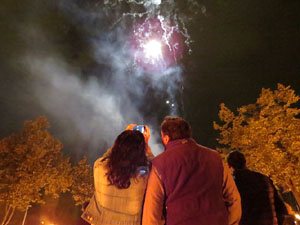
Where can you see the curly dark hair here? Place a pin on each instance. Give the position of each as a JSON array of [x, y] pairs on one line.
[[127, 154]]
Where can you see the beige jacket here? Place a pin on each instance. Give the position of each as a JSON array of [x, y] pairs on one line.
[[111, 205]]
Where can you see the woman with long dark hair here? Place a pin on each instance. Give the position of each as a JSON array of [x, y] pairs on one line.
[[120, 181]]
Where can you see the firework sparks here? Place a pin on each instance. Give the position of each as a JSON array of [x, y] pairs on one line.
[[159, 33], [156, 44], [153, 51]]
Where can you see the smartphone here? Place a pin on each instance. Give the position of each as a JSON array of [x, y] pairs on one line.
[[140, 128]]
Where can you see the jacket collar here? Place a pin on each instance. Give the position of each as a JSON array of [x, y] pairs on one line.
[[177, 142]]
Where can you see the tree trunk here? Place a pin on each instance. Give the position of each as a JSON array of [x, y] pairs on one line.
[[6, 214], [9, 215], [25, 215]]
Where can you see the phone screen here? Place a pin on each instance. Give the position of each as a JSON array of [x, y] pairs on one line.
[[140, 128]]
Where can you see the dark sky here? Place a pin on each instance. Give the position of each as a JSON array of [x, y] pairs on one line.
[[244, 46], [58, 58]]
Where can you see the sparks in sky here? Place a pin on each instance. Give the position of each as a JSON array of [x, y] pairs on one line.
[[159, 35], [153, 50], [156, 46]]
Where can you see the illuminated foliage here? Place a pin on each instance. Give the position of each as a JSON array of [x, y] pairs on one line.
[[82, 187], [32, 165], [268, 133]]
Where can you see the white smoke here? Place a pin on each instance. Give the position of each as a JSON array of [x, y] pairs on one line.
[[89, 110], [90, 113]]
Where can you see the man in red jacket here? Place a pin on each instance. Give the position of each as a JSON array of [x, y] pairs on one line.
[[189, 184]]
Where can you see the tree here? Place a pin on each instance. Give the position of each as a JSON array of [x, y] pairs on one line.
[[83, 183], [268, 133], [32, 165]]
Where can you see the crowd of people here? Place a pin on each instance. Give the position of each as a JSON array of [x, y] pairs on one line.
[[187, 184]]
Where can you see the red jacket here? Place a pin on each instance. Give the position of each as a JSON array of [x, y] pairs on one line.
[[192, 177]]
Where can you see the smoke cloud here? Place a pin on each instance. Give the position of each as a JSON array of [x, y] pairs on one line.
[[90, 105]]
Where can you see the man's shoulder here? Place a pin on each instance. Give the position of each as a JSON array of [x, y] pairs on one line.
[[209, 150], [261, 176], [192, 149], [255, 173], [160, 157], [209, 154], [251, 175], [165, 157]]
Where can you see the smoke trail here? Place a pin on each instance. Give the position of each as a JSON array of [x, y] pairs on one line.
[[113, 44], [94, 106], [90, 111], [162, 21]]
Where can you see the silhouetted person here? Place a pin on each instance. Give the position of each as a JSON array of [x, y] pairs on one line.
[[188, 183], [261, 203]]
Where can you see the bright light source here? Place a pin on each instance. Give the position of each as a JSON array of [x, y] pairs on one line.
[[167, 102], [152, 50], [297, 216]]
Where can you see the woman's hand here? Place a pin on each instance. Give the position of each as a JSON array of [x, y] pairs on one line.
[[146, 132], [130, 126]]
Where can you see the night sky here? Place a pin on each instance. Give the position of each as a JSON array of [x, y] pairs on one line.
[[66, 60]]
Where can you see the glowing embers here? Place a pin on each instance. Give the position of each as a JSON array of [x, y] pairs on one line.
[[153, 50]]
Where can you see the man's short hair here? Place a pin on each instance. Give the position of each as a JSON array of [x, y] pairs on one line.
[[176, 128], [236, 159]]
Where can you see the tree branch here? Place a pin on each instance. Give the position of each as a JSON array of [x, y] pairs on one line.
[[10, 216]]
